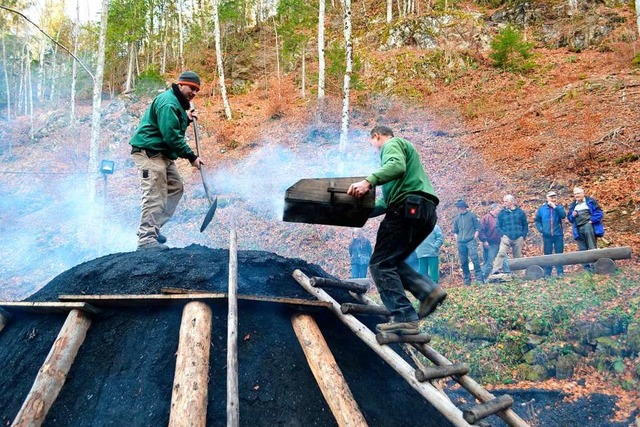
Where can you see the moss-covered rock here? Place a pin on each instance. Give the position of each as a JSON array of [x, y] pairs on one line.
[[565, 364], [633, 337], [475, 330], [532, 372], [609, 346]]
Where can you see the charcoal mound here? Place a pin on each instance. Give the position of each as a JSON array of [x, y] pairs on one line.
[[123, 374]]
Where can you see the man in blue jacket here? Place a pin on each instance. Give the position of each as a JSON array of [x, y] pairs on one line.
[[513, 229], [585, 217], [549, 223]]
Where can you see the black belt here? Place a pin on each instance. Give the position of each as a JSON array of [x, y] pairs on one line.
[[150, 153]]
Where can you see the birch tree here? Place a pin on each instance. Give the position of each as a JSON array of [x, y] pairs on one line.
[[389, 10], [97, 100], [321, 65], [6, 78], [638, 15], [344, 132], [74, 65], [216, 35]]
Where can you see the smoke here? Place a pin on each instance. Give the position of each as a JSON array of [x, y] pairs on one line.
[[262, 178], [49, 227]]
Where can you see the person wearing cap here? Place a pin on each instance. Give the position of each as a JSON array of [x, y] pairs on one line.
[[156, 144], [466, 228], [490, 239], [513, 229], [549, 223], [409, 204], [585, 216]]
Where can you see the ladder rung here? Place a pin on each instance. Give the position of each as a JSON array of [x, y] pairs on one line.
[[389, 338], [323, 282], [483, 410], [350, 308], [436, 372]]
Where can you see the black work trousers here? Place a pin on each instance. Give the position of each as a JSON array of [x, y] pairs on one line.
[[397, 238]]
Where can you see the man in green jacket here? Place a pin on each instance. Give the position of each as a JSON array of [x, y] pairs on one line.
[[156, 144], [409, 202]]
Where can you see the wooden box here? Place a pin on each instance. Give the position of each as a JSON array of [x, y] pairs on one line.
[[325, 201]]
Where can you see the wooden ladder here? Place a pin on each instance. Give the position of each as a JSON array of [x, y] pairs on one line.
[[418, 378]]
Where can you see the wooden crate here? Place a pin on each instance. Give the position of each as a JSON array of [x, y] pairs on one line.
[[325, 201]]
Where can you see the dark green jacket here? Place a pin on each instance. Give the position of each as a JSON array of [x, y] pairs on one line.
[[400, 175], [163, 126]]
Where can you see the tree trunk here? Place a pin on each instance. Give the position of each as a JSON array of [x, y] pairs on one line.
[[567, 258], [53, 373], [29, 93], [190, 384], [638, 15], [304, 73], [275, 30], [6, 78], [180, 36], [389, 10], [97, 102], [132, 55], [321, 65], [216, 35], [74, 65], [344, 132]]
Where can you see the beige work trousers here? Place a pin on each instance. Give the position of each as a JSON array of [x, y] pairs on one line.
[[505, 244], [162, 189]]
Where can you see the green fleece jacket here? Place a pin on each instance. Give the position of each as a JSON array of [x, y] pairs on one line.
[[400, 175], [163, 126]]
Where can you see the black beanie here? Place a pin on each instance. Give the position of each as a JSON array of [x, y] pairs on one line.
[[189, 78]]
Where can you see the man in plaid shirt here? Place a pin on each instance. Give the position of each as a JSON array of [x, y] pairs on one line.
[[513, 228]]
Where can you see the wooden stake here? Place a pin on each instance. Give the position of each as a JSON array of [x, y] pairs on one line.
[[190, 388], [233, 399], [326, 371], [426, 390], [53, 373]]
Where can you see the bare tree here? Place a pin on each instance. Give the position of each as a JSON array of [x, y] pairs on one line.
[[74, 65], [638, 14], [321, 65], [216, 35], [389, 10], [6, 78], [344, 132], [97, 100]]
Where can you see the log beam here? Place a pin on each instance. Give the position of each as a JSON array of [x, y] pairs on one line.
[[483, 410], [567, 258], [327, 373], [190, 384], [325, 282], [437, 372], [233, 397], [377, 310], [53, 373]]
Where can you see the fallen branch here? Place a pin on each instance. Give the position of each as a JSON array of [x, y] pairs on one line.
[[611, 135]]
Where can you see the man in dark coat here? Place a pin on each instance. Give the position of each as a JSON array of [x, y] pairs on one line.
[[466, 228], [513, 229], [585, 216], [549, 223]]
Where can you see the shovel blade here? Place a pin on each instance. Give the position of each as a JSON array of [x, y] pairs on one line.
[[210, 214]]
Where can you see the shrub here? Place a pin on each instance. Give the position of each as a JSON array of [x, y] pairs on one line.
[[510, 52]]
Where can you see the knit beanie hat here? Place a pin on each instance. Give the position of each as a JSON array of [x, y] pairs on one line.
[[189, 78]]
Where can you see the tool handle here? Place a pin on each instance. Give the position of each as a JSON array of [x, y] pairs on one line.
[[337, 190]]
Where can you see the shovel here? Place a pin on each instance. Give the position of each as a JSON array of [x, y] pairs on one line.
[[213, 201]]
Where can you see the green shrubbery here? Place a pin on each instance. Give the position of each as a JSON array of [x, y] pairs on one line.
[[510, 52]]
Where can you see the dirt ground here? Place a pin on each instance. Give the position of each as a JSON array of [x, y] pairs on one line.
[[124, 371]]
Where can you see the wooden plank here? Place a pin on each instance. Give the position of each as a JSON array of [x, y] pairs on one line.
[[426, 390], [124, 300], [189, 397], [327, 373], [48, 306], [233, 396], [53, 373]]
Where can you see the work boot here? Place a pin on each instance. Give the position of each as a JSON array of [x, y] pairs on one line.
[[400, 328], [153, 246], [161, 238], [431, 302]]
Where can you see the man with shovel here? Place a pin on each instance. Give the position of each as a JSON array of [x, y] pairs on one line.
[[409, 202], [156, 144]]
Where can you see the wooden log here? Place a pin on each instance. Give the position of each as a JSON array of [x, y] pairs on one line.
[[426, 390], [349, 308], [580, 257], [190, 387], [483, 410], [4, 318], [233, 397], [133, 300], [326, 371], [605, 266], [53, 373], [444, 371], [48, 306], [324, 282], [508, 415], [534, 272], [389, 338]]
